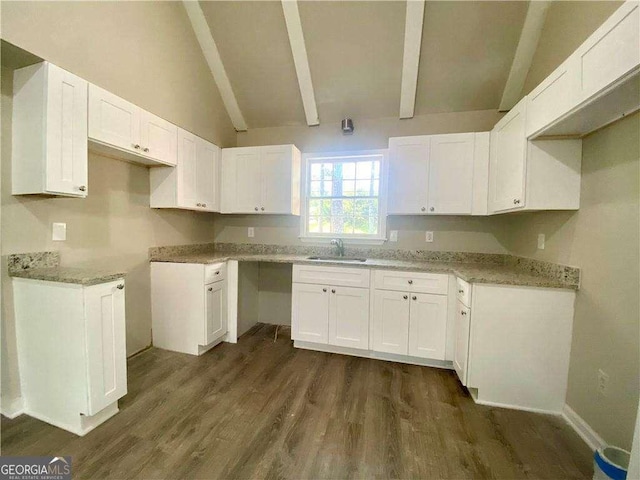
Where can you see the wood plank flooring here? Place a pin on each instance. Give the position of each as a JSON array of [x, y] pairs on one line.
[[262, 409]]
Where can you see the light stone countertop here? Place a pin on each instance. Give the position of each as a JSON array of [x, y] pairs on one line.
[[470, 272], [81, 276]]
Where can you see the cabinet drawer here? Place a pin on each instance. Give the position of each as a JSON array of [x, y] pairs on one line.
[[435, 283], [215, 272], [463, 292], [336, 276]]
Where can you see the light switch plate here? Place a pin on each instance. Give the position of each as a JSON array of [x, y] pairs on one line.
[[541, 241], [393, 236], [251, 232], [59, 232], [428, 237]]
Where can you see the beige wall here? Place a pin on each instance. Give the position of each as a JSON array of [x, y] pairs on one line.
[[146, 53], [475, 234], [603, 239]]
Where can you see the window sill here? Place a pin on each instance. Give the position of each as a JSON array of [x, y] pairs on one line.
[[346, 240]]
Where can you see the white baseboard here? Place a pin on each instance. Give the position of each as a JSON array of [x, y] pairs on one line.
[[11, 408], [583, 429]]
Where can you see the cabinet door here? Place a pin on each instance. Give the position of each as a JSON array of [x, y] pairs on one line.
[[207, 181], [105, 344], [113, 121], [310, 313], [390, 323], [428, 326], [215, 311], [461, 346], [408, 175], [248, 184], [158, 139], [66, 157], [451, 174], [275, 165], [554, 97], [507, 161], [349, 317], [187, 170]]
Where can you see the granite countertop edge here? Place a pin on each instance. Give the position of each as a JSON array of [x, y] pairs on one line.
[[75, 275], [472, 272]]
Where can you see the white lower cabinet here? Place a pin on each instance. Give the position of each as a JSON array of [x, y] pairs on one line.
[[390, 327], [310, 313], [188, 306], [71, 351], [461, 346]]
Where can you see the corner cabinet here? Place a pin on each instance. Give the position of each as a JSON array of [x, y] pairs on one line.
[[262, 180], [75, 333], [49, 143], [118, 127], [531, 174], [438, 174], [194, 184], [188, 306]]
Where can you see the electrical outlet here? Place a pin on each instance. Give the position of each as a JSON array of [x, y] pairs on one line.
[[251, 232], [541, 241], [428, 237], [59, 232], [393, 236], [603, 382]]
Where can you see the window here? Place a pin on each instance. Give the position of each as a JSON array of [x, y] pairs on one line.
[[343, 196]]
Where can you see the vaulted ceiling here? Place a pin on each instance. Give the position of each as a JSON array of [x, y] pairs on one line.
[[355, 56]]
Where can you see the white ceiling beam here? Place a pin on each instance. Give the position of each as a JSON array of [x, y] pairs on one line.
[[300, 60], [529, 37], [212, 56], [411, 57]]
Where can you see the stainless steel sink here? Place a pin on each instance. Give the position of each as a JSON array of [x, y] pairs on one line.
[[337, 259]]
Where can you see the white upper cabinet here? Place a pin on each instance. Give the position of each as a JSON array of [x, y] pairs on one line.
[[195, 182], [531, 174], [596, 85], [507, 161], [120, 127], [438, 174], [261, 180], [49, 143], [158, 139], [408, 175]]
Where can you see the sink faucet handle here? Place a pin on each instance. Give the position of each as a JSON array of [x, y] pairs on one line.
[[339, 244]]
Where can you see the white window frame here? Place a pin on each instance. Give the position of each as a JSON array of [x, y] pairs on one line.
[[379, 239]]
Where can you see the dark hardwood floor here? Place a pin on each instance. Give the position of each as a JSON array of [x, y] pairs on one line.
[[261, 409]]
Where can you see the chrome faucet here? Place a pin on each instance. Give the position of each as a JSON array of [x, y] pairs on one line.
[[340, 245]]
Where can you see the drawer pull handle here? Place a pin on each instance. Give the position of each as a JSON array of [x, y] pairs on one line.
[[121, 286], [405, 296], [414, 297], [410, 282], [333, 291]]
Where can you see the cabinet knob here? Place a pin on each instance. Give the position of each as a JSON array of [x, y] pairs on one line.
[[198, 204], [431, 209], [410, 282], [424, 209], [204, 204], [136, 146], [333, 291], [460, 291], [462, 312], [218, 272], [256, 209], [324, 289], [516, 201], [82, 188], [145, 149], [405, 296], [414, 298], [121, 286], [210, 289], [262, 208]]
